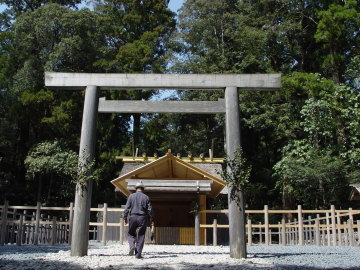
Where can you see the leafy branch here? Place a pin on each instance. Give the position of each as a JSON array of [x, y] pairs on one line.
[[236, 174]]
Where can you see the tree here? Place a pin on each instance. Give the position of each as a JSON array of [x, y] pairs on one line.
[[50, 159], [337, 30]]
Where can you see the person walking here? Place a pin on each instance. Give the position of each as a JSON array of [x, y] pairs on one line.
[[138, 212]]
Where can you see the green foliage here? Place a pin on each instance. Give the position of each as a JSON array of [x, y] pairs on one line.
[[236, 174], [337, 29], [51, 158], [313, 178]]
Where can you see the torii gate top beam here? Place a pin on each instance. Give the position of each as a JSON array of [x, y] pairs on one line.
[[59, 80]]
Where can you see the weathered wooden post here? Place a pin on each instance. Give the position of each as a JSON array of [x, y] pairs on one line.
[[4, 214], [351, 228], [249, 232], [333, 225], [339, 229], [260, 232], [215, 232], [266, 219], [20, 230], [197, 229], [317, 232], [53, 232], [104, 224], [283, 231], [121, 229], [301, 226], [37, 223], [236, 208], [71, 221], [80, 233], [328, 235]]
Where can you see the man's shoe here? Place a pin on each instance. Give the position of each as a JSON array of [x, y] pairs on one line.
[[139, 257], [132, 251]]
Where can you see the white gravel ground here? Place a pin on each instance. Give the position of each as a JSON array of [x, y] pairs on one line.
[[114, 256]]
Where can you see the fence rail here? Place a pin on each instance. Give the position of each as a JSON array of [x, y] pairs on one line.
[[29, 225]]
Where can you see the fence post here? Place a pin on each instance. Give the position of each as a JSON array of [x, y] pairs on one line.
[[317, 232], [346, 238], [358, 230], [197, 229], [351, 228], [301, 226], [266, 218], [53, 232], [328, 236], [71, 221], [104, 224], [37, 223], [121, 230], [215, 232], [12, 234], [339, 228], [260, 234], [333, 225], [19, 231], [249, 231], [4, 222], [283, 231]]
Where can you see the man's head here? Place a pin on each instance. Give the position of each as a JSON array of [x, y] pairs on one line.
[[139, 186]]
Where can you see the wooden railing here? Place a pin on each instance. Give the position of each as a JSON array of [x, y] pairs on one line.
[[325, 229], [29, 225]]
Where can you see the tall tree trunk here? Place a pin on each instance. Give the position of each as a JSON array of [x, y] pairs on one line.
[[38, 197], [50, 187], [136, 129]]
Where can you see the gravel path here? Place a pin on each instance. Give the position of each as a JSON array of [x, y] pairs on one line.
[[114, 256]]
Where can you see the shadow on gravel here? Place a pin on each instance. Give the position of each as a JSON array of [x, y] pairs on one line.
[[40, 264], [271, 255], [30, 249]]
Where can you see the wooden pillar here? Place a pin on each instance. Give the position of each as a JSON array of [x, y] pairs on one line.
[[20, 230], [339, 229], [197, 229], [80, 233], [236, 208], [215, 232], [202, 202], [266, 219], [301, 226], [317, 232], [121, 229], [4, 223], [333, 225], [53, 231], [104, 224], [71, 221], [351, 228], [249, 232], [37, 223], [328, 235], [283, 231], [260, 234]]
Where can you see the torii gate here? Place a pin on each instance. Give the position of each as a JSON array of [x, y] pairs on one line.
[[93, 82]]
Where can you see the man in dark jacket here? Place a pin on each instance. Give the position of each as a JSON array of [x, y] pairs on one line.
[[138, 212]]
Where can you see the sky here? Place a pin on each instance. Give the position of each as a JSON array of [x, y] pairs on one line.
[[174, 5]]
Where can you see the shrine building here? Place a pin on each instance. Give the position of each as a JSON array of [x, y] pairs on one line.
[[177, 188]]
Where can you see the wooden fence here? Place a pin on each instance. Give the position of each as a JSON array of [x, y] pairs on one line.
[[30, 225], [329, 227]]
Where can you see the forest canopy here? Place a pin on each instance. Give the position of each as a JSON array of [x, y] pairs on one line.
[[302, 142]]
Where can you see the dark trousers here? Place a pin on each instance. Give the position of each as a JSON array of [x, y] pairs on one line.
[[136, 235]]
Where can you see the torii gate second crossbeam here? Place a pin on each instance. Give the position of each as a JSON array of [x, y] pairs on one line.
[[93, 82]]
